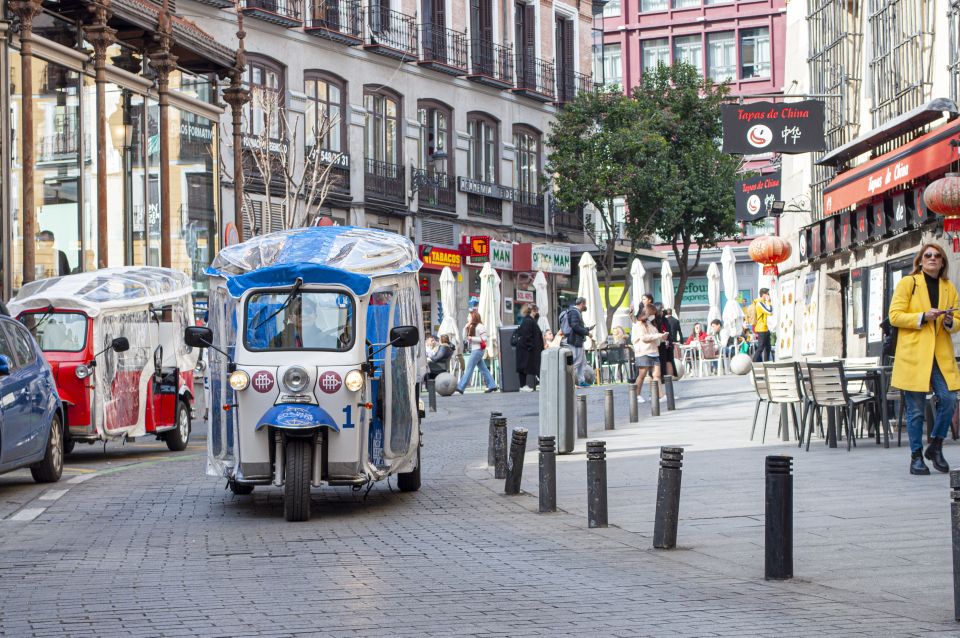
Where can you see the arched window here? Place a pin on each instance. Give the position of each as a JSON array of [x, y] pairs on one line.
[[436, 136], [326, 111], [382, 134], [526, 140], [484, 132], [264, 78]]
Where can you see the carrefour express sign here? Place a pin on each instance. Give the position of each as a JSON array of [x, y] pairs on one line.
[[551, 258]]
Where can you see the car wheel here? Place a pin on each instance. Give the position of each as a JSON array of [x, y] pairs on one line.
[[296, 480], [410, 481], [240, 489], [178, 438], [51, 467]]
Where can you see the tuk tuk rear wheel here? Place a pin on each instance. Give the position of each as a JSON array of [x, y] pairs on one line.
[[296, 480], [178, 437], [410, 481]]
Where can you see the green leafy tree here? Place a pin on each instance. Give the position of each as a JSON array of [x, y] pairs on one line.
[[685, 196]]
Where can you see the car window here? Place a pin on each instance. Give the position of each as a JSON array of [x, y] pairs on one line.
[[5, 345], [22, 345]]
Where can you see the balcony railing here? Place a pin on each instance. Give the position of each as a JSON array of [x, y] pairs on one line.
[[483, 206], [528, 209], [535, 78], [64, 141], [491, 64], [337, 20], [563, 219], [435, 190], [391, 33], [384, 180], [443, 50], [286, 13], [570, 85]]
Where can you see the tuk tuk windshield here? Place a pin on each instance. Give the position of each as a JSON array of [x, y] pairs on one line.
[[57, 331], [306, 320]]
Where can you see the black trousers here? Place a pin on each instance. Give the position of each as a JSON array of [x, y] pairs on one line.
[[763, 352]]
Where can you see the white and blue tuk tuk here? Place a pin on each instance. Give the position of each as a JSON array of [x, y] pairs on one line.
[[314, 362]]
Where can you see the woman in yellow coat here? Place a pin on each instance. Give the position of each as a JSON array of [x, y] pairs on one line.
[[922, 309]]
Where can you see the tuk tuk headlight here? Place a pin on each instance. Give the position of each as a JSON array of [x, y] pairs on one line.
[[296, 379], [82, 371], [239, 380], [354, 381]]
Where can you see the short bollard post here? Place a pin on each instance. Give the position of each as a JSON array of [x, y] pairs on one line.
[[518, 447], [491, 451], [548, 474], [632, 400], [596, 484], [778, 563], [500, 448], [668, 389], [432, 394], [654, 398], [668, 498], [608, 410], [581, 417], [955, 524]]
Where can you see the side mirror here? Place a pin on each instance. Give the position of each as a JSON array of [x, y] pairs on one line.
[[198, 336], [404, 336], [5, 365], [120, 344]]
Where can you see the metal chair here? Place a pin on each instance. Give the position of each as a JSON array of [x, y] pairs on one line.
[[828, 387], [783, 388], [613, 360], [759, 377]]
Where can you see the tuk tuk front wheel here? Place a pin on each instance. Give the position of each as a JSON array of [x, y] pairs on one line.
[[51, 467], [296, 481], [178, 437], [410, 481]]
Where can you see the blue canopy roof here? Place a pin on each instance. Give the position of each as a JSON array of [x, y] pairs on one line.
[[343, 255]]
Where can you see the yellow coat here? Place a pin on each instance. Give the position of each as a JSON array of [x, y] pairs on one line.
[[762, 314], [916, 344]]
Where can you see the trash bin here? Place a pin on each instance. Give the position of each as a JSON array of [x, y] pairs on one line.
[[557, 394], [509, 381]]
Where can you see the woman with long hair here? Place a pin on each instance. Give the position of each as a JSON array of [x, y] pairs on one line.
[[475, 341], [646, 340]]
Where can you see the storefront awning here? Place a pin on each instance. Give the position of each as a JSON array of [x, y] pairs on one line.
[[924, 155], [892, 129]]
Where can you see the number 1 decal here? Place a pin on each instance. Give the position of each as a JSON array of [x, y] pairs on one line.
[[348, 412]]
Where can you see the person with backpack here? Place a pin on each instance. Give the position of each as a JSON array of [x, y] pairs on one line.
[[571, 324], [923, 311]]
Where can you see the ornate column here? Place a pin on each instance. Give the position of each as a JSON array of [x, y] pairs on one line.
[[164, 62], [26, 10], [236, 96], [101, 37]]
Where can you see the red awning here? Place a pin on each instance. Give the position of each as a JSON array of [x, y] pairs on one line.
[[924, 155]]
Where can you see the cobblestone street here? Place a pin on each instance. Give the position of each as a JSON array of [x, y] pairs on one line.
[[146, 545]]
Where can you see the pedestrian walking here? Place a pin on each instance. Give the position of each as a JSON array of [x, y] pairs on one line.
[[475, 336], [763, 308], [528, 340], [646, 339], [669, 324], [922, 310], [571, 324]]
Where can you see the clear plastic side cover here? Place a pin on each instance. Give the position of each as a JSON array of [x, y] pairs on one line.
[[122, 377], [220, 440], [407, 367]]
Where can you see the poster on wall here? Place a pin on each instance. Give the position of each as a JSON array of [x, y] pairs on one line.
[[785, 331], [875, 309], [808, 326]]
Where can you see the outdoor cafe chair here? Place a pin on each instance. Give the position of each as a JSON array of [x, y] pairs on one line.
[[759, 377], [783, 388], [615, 362], [828, 387]]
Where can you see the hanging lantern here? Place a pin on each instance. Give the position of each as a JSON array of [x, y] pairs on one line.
[[769, 250], [942, 196]]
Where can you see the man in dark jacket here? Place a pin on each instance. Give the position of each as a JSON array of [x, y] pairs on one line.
[[576, 334], [529, 348]]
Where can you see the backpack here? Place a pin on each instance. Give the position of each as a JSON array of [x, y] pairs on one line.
[[565, 327]]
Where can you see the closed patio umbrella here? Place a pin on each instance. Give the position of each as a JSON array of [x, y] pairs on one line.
[[732, 312], [637, 287], [489, 307], [448, 297], [589, 289], [713, 292], [666, 285], [543, 300]]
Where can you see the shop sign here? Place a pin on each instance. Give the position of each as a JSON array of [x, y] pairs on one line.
[[253, 143], [861, 222], [846, 230], [551, 258], [487, 189], [501, 255], [194, 132], [753, 197], [804, 244], [424, 282], [766, 127], [830, 235], [898, 220], [338, 159], [525, 296], [922, 214], [437, 258], [878, 220], [816, 240]]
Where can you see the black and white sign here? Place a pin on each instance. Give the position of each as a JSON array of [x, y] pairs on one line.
[[766, 127], [484, 188], [755, 196]]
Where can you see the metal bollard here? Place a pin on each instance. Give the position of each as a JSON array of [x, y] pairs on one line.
[[432, 394], [548, 474], [668, 389], [518, 447], [668, 498], [491, 452], [608, 410], [778, 563], [581, 417], [500, 448], [596, 484], [654, 397], [632, 400], [955, 524]]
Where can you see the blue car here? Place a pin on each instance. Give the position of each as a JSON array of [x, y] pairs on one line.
[[31, 415]]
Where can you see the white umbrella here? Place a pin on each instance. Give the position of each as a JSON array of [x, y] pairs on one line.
[[590, 290], [448, 297], [489, 307], [666, 285], [732, 312], [713, 292], [637, 289], [543, 300]]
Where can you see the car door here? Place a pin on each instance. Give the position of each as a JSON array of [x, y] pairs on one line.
[[14, 401], [38, 385]]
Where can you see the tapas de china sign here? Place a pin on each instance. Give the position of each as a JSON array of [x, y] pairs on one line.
[[767, 127]]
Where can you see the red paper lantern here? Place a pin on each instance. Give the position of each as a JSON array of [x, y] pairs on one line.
[[769, 250], [942, 196]]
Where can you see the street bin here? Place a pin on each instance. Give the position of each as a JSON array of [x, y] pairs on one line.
[[557, 394], [509, 381]]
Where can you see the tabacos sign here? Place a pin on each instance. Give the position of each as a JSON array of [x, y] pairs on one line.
[[434, 258], [501, 255], [765, 127], [550, 258]]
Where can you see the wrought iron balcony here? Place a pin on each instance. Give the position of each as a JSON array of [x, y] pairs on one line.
[[491, 64], [565, 220], [483, 206], [535, 78], [391, 33], [384, 181], [435, 190], [570, 85], [337, 20], [528, 209], [220, 4], [286, 13], [443, 50], [56, 146]]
